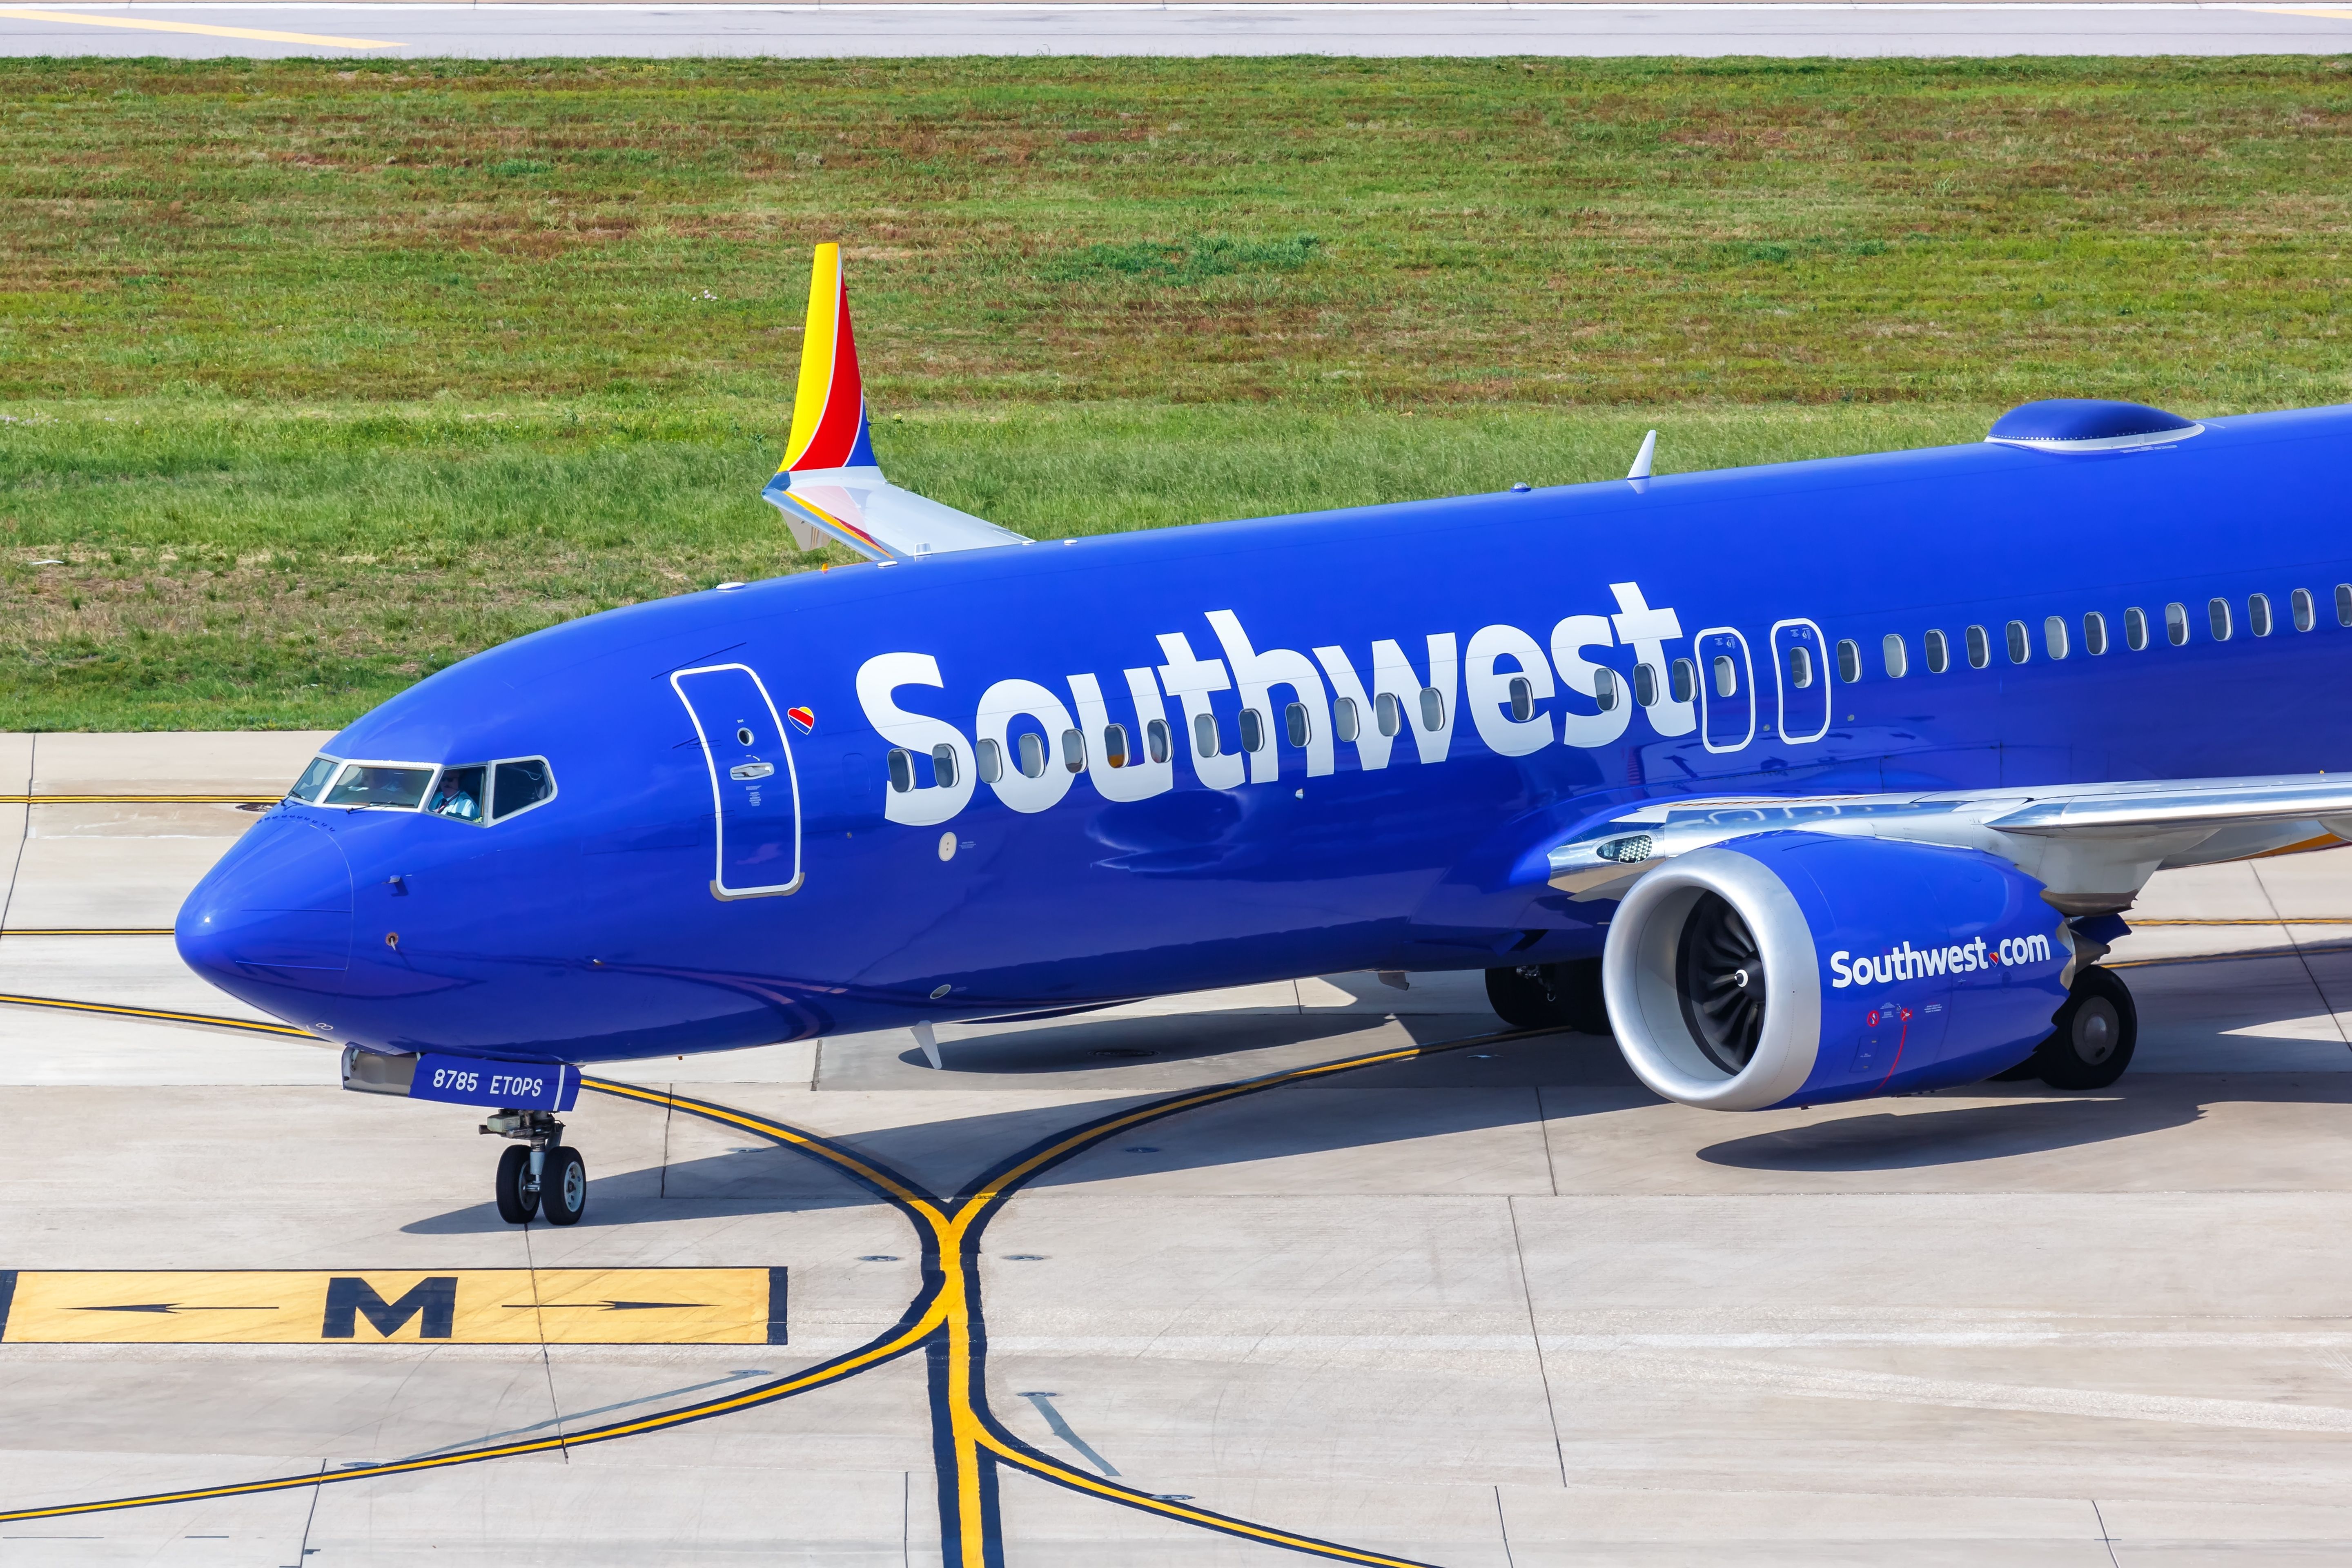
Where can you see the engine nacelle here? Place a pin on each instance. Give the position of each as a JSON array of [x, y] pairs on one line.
[[1799, 969]]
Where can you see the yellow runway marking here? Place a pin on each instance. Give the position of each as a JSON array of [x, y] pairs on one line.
[[2308, 11], [263, 34], [412, 1306], [86, 931], [161, 1014], [41, 798]]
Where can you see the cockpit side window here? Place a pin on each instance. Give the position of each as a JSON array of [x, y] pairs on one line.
[[313, 781], [519, 785], [396, 786], [459, 793]]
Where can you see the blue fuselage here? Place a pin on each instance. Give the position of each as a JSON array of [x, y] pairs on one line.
[[588, 928]]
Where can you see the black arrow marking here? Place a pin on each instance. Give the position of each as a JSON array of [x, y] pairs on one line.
[[602, 1306], [172, 1307]]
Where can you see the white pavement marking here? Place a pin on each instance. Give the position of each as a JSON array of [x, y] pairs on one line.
[[2115, 27], [261, 34]]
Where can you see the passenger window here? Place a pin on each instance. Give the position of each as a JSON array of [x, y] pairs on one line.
[[2054, 635], [1849, 661], [2217, 618], [1074, 750], [1801, 666], [1294, 723], [2135, 629], [2176, 624], [1155, 740], [2344, 603], [902, 769], [989, 758], [1726, 676], [1432, 708], [1682, 679], [1895, 652], [2303, 616], [1115, 745], [1646, 688], [1604, 690], [519, 786], [1389, 713], [2020, 646], [1343, 719], [1033, 754], [943, 766], [1205, 735], [1523, 699], [390, 788], [1940, 652], [1980, 648], [1252, 731], [2095, 633], [458, 795], [2258, 615], [314, 779]]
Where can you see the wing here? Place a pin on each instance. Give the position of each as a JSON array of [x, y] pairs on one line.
[[2091, 846], [830, 486]]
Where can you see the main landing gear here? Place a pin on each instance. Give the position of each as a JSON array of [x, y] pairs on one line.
[[538, 1174], [2091, 1040], [1550, 996]]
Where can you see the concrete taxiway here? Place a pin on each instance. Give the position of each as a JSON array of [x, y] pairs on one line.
[[1482, 1303], [288, 27]]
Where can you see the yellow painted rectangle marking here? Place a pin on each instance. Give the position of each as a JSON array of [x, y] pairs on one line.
[[410, 1306], [2308, 11], [209, 31]]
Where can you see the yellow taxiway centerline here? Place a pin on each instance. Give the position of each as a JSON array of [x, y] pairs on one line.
[[263, 34]]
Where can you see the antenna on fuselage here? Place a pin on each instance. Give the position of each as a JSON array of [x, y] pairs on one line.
[[1640, 469]]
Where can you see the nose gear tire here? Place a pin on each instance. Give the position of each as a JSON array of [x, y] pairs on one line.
[[564, 1187], [2093, 1036], [517, 1202]]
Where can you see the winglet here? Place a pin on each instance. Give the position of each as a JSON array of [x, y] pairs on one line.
[[829, 414], [830, 486]]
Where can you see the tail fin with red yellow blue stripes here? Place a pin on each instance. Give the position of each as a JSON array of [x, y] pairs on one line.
[[830, 486]]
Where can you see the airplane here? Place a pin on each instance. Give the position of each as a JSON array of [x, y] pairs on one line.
[[1809, 783]]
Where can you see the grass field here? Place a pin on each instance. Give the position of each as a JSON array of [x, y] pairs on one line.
[[317, 375]]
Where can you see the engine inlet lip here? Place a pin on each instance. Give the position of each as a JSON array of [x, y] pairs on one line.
[[1638, 975]]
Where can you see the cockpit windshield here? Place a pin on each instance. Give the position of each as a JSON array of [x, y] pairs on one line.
[[381, 783], [313, 781], [475, 792]]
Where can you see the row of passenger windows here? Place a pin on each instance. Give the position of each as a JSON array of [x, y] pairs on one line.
[[2017, 638], [1030, 755], [479, 793]]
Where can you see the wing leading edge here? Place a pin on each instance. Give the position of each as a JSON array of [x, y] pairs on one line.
[[830, 486]]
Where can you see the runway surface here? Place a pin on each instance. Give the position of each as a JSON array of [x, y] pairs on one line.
[[283, 28], [1320, 1267]]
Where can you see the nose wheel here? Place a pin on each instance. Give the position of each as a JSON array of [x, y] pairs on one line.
[[538, 1174]]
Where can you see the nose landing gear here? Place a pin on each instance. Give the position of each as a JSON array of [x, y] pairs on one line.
[[538, 1174]]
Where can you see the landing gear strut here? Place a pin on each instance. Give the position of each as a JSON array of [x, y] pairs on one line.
[[2092, 1036], [1550, 996], [538, 1174]]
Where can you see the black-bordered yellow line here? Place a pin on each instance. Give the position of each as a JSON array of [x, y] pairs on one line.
[[160, 1015], [46, 798], [85, 931], [920, 1323]]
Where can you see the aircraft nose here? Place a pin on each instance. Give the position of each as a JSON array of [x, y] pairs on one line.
[[280, 900]]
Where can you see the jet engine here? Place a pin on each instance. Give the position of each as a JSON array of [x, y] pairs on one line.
[[1797, 969]]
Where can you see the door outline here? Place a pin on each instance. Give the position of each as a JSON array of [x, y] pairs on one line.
[[1821, 672], [719, 888], [1707, 687]]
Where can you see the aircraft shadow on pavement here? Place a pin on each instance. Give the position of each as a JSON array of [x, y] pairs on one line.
[[1117, 1063]]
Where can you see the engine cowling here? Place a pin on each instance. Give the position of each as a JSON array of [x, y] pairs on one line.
[[1800, 969]]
